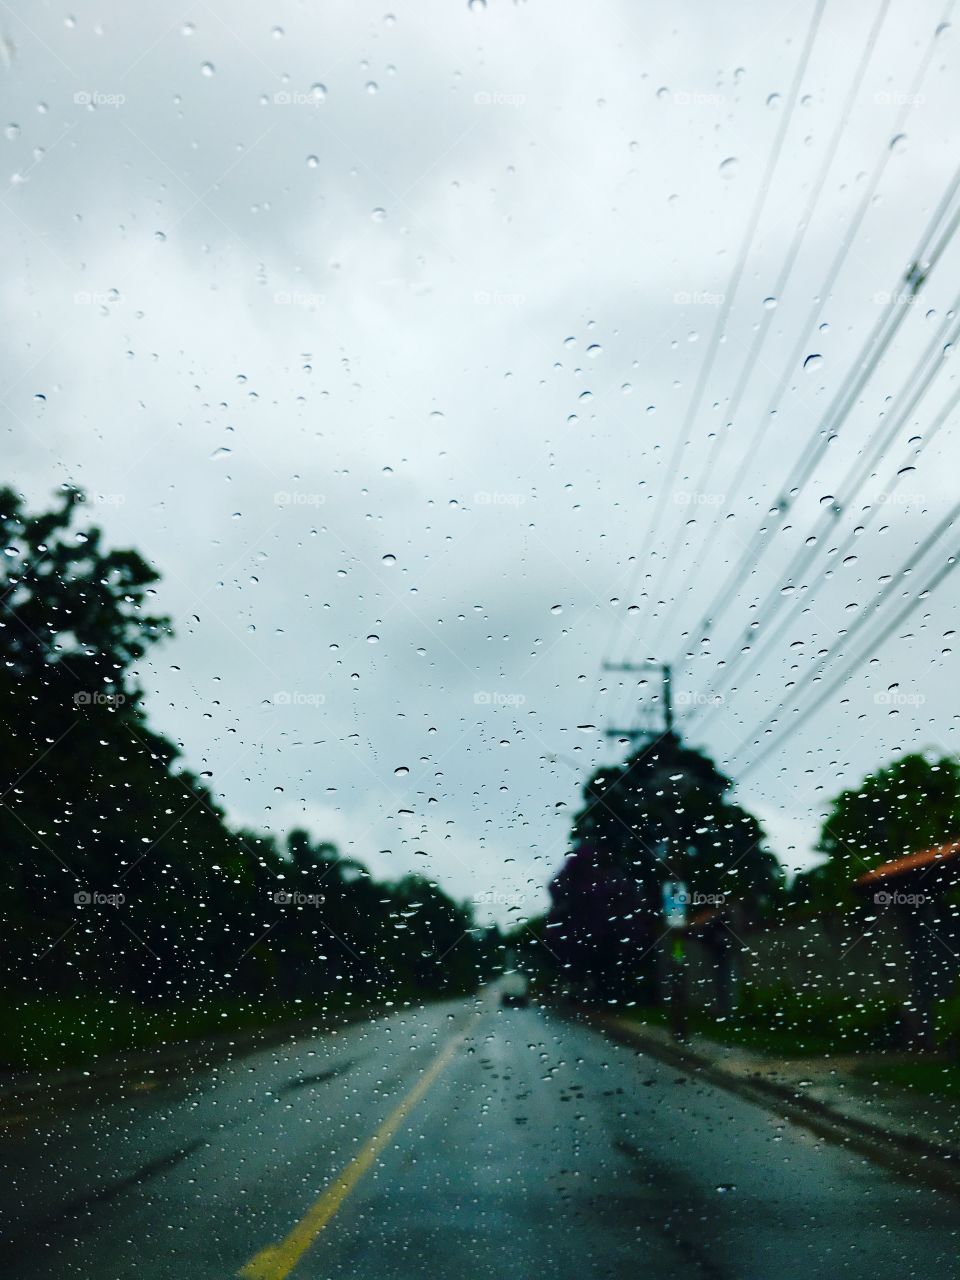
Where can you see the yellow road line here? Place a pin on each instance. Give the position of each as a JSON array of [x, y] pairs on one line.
[[276, 1261]]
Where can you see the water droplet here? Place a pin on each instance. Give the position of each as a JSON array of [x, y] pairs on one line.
[[318, 92], [774, 100], [594, 349], [389, 559], [813, 361], [557, 608], [898, 143], [372, 86], [770, 303], [12, 131], [401, 771], [312, 162], [379, 215], [207, 69], [373, 639], [728, 167]]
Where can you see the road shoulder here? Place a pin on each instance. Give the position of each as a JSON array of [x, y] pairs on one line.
[[917, 1140]]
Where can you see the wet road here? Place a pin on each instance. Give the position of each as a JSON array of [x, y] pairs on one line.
[[461, 1140]]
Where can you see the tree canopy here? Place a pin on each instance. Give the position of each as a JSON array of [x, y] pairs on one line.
[[120, 866], [907, 806], [664, 814]]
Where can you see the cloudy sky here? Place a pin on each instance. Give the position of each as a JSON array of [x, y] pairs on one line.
[[413, 345]]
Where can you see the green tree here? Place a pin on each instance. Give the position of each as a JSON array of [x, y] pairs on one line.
[[665, 814], [907, 806]]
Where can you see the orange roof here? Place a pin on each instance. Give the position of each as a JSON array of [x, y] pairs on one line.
[[899, 866]]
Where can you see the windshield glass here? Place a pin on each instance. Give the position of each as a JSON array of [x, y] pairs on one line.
[[478, 784]]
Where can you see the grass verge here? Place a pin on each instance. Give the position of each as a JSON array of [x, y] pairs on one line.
[[43, 1033]]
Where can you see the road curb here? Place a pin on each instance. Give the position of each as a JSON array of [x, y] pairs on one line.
[[918, 1159]]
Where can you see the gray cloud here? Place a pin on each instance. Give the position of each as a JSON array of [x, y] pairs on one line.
[[274, 372]]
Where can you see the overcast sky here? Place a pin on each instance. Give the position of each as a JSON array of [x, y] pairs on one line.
[[375, 329]]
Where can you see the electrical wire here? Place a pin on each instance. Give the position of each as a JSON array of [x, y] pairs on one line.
[[777, 291]]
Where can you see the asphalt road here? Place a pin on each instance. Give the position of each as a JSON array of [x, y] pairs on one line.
[[458, 1141]]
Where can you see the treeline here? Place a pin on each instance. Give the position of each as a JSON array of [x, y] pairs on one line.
[[121, 873]]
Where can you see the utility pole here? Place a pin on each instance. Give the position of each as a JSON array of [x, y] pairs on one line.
[[666, 694], [675, 896]]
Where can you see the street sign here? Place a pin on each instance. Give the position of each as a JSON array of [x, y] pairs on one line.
[[675, 899]]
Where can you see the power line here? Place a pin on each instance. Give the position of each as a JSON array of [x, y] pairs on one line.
[[865, 614], [823, 292], [843, 402], [780, 283], [856, 478], [841, 676], [734, 282], [707, 367]]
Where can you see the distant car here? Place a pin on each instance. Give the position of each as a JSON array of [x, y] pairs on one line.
[[515, 991], [518, 999]]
